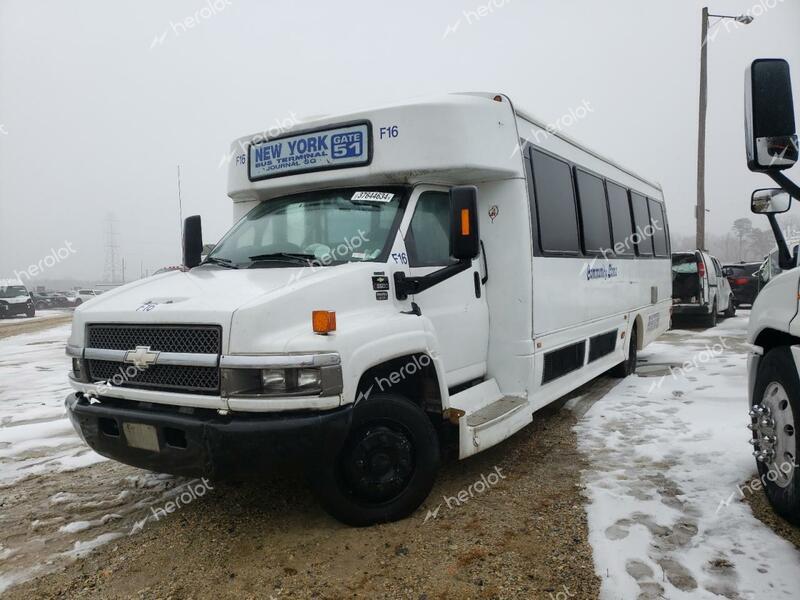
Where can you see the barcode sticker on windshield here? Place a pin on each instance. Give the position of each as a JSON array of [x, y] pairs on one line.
[[373, 196]]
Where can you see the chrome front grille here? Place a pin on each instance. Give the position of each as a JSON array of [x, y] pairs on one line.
[[194, 339], [182, 339]]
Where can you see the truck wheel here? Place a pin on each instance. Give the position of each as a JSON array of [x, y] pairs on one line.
[[30, 312], [387, 466], [628, 366], [776, 398], [711, 319], [731, 310]]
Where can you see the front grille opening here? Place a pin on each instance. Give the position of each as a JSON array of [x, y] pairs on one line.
[[193, 339], [108, 426], [200, 380], [175, 437]]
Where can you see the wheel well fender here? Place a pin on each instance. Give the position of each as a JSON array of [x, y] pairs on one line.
[[414, 376]]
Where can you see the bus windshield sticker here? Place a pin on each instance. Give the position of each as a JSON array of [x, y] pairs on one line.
[[372, 197], [317, 151]]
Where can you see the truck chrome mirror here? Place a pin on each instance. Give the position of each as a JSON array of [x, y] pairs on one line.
[[465, 241], [770, 201], [192, 241], [770, 131]]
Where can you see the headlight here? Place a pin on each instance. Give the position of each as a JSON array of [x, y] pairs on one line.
[[305, 381]]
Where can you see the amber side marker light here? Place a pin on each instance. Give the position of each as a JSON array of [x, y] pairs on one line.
[[464, 221], [323, 321]]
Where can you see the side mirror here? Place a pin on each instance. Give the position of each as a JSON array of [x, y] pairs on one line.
[[192, 241], [770, 201], [465, 240], [769, 116]]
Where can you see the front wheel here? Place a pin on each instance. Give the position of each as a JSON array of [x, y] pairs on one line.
[[30, 312], [386, 467], [776, 398]]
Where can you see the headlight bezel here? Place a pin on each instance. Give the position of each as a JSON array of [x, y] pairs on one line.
[[240, 382]]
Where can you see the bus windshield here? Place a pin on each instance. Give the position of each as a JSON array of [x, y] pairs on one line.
[[319, 228]]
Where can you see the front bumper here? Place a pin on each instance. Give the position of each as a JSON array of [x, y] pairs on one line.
[[206, 444], [9, 310]]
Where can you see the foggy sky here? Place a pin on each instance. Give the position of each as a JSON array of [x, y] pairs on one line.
[[101, 100]]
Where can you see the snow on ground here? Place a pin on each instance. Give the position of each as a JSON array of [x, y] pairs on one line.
[[49, 514], [667, 451], [35, 434]]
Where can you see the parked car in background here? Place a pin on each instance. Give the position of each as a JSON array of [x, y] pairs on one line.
[[42, 300], [743, 280], [14, 299], [84, 295], [699, 287]]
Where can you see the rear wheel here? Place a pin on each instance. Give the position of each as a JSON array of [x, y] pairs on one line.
[[711, 319], [628, 366], [777, 404], [387, 466]]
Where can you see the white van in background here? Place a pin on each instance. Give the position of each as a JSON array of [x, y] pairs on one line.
[[391, 273], [15, 299], [774, 330], [699, 288]]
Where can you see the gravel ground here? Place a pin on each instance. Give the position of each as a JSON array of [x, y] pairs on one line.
[[763, 511], [525, 536], [9, 327]]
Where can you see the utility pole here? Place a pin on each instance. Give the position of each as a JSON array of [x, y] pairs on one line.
[[180, 207], [700, 209]]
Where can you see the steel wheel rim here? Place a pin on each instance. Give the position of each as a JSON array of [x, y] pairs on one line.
[[775, 433]]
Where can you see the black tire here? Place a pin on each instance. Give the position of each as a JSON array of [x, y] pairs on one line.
[[628, 366], [778, 366], [401, 448], [711, 319], [731, 310], [31, 312], [78, 302]]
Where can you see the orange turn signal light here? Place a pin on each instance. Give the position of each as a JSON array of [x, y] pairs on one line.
[[323, 321], [464, 221]]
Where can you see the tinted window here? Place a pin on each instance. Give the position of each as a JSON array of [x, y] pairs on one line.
[[620, 219], [659, 228], [594, 212], [555, 204], [428, 237], [641, 219]]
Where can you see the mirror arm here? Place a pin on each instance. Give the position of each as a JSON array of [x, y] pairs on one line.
[[786, 184], [404, 286], [784, 260]]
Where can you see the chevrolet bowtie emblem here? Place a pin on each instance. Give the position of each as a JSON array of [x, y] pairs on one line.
[[142, 357]]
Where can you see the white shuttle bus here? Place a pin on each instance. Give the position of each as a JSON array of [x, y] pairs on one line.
[[391, 273]]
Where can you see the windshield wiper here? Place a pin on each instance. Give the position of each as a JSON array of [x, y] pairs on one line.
[[285, 256], [222, 262]]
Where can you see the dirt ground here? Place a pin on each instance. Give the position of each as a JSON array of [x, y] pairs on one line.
[[522, 536], [763, 511], [15, 328]]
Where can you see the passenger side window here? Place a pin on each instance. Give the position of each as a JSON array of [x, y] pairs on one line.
[[428, 237], [556, 214], [594, 213], [660, 244], [621, 223], [641, 219]]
